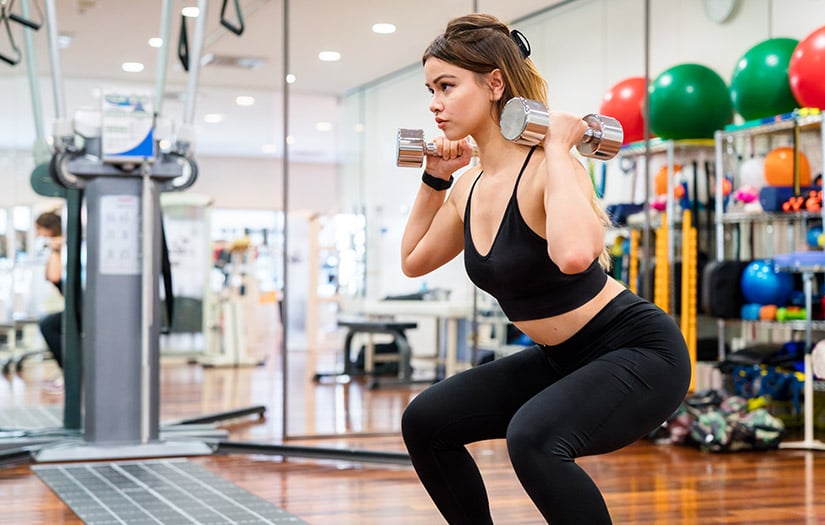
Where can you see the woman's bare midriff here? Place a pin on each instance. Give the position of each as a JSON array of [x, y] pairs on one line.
[[557, 329]]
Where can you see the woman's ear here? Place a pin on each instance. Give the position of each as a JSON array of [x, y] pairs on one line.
[[496, 82]]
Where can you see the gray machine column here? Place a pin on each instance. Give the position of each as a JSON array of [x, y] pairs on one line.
[[113, 360]]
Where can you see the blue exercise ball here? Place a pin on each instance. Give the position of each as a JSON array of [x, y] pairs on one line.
[[762, 284], [814, 236]]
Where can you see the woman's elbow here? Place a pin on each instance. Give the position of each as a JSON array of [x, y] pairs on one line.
[[572, 263], [410, 269]]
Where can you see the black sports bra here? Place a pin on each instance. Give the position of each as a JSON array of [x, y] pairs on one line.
[[519, 273]]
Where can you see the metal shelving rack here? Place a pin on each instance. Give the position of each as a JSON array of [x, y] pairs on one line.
[[670, 148], [796, 123]]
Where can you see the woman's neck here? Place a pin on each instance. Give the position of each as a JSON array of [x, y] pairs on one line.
[[495, 153]]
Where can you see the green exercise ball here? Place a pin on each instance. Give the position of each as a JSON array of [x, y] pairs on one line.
[[689, 101], [759, 86]]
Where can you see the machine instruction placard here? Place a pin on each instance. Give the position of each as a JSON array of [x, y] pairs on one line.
[[120, 235]]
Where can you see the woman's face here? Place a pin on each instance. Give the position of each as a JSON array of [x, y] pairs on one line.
[[43, 232], [461, 102]]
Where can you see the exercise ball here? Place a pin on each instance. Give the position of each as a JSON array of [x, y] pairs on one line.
[[624, 101], [814, 236], [752, 173], [779, 167], [759, 86], [689, 101], [805, 70], [762, 284], [660, 180]]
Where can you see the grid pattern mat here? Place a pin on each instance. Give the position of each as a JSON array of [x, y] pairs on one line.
[[33, 418], [165, 491]]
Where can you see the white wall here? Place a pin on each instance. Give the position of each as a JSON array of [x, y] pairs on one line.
[[256, 183]]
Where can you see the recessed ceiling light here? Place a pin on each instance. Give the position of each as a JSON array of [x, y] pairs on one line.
[[155, 41], [290, 139], [132, 67], [64, 40], [329, 56], [213, 118], [290, 79], [268, 148], [190, 12], [244, 100], [323, 126], [383, 28]]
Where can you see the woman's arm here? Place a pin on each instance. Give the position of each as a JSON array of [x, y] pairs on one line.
[[434, 232], [575, 234], [54, 265]]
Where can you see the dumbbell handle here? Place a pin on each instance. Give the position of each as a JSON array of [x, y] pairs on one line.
[[411, 148]]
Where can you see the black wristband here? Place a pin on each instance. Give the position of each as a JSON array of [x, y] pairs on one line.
[[435, 182]]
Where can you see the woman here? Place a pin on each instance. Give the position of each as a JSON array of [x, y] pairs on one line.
[[608, 366], [49, 226]]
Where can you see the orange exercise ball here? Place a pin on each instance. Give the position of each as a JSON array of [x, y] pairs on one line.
[[660, 181], [779, 167]]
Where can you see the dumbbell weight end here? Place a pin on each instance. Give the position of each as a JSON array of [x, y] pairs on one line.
[[526, 121], [603, 138], [410, 148]]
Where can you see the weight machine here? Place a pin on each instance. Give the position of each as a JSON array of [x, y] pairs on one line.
[[117, 164]]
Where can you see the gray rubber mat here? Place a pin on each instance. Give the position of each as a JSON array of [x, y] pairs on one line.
[[163, 491], [32, 418]]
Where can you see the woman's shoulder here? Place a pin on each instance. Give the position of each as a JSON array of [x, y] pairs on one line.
[[461, 188], [468, 176]]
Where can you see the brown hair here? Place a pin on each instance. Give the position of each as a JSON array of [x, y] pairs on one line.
[[50, 221], [482, 43]]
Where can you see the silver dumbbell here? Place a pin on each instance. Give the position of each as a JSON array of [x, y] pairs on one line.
[[410, 148], [525, 121]]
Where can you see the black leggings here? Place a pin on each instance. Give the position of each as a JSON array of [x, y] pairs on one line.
[[611, 383], [51, 327]]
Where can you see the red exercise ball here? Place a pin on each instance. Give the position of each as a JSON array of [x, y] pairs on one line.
[[779, 167], [624, 102], [805, 70]]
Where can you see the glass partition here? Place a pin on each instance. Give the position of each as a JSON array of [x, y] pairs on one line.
[[303, 206]]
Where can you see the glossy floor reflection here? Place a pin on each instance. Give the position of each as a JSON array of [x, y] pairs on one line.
[[643, 484]]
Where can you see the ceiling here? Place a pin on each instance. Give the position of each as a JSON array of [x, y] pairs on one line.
[[106, 33]]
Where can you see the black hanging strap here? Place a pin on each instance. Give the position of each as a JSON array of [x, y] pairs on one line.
[[11, 60], [166, 275], [24, 21], [75, 252], [237, 29], [183, 45]]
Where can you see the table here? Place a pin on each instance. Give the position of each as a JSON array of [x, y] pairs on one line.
[[397, 329], [446, 314]]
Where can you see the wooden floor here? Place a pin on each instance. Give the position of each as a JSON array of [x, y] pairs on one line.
[[642, 484]]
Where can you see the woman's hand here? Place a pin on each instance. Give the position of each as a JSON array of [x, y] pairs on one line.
[[56, 243], [564, 131], [452, 155]]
